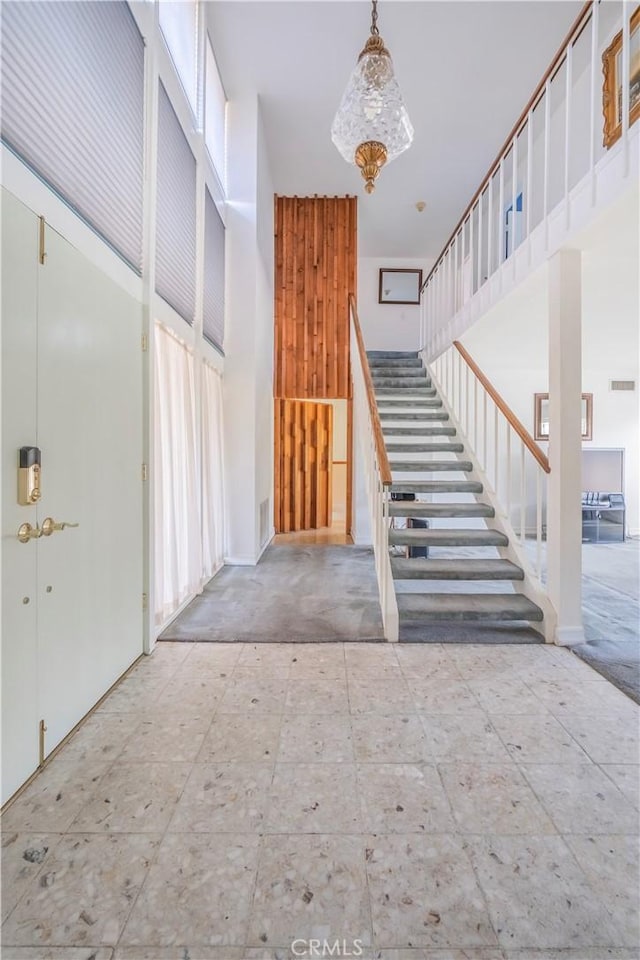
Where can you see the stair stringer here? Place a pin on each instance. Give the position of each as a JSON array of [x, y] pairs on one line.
[[531, 586]]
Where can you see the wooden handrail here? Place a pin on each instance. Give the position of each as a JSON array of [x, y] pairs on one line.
[[514, 132], [505, 409], [381, 450]]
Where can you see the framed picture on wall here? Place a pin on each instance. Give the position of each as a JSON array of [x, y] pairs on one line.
[[541, 416], [399, 286], [612, 84]]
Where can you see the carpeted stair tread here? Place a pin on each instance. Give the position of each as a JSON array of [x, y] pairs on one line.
[[472, 606], [420, 537], [437, 486], [420, 568], [431, 466], [436, 446], [408, 508]]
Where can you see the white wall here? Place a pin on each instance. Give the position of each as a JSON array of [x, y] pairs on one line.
[[248, 389], [387, 326], [510, 344]]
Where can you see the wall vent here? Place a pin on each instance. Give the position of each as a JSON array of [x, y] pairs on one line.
[[264, 522], [622, 384]]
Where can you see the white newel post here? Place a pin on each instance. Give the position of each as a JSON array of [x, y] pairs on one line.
[[564, 515]]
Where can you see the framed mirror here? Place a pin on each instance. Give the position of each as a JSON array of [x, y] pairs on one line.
[[399, 286], [541, 416]]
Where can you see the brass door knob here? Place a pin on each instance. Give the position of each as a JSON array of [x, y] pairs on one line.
[[50, 526], [26, 532]]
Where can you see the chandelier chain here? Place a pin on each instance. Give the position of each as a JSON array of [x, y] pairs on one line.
[[374, 18]]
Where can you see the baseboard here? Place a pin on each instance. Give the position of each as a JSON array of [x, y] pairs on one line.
[[569, 636], [250, 561]]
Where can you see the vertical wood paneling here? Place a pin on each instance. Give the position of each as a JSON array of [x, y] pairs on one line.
[[303, 439], [315, 265]]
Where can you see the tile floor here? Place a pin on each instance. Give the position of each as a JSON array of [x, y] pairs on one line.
[[234, 802]]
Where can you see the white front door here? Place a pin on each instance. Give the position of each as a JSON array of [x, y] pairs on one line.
[[85, 385]]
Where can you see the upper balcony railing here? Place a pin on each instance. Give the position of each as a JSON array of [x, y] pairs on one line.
[[545, 179]]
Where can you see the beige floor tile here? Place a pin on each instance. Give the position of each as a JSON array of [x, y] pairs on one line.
[[506, 695], [57, 953], [612, 867], [537, 894], [444, 696], [179, 952], [166, 659], [431, 662], [85, 894], [315, 739], [541, 739], [192, 696], [581, 799], [310, 887], [371, 660], [53, 799], [382, 739], [472, 953], [424, 893], [101, 736], [169, 737], [24, 855], [135, 694], [626, 777], [493, 799], [606, 739], [463, 737], [224, 798], [403, 798], [133, 798], [216, 660], [234, 737], [314, 798], [272, 658], [317, 696], [198, 892], [323, 661], [380, 696], [254, 696], [268, 671], [576, 696], [582, 953], [475, 662]]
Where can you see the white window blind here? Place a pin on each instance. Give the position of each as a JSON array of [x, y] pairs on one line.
[[215, 128], [175, 213], [214, 237], [73, 109], [179, 25]]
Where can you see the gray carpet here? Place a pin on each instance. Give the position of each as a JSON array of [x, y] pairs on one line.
[[308, 594]]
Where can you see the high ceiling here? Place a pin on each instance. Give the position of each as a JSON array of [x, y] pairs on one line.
[[467, 69]]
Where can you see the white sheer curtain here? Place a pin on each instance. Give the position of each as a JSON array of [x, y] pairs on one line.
[[212, 472], [177, 495]]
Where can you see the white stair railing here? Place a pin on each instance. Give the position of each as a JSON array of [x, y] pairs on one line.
[[377, 472], [572, 145], [503, 449]]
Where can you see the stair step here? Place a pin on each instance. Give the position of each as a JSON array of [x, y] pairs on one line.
[[391, 431], [412, 415], [437, 486], [417, 537], [467, 606], [431, 466], [424, 447], [393, 355], [388, 387], [428, 569], [403, 381], [396, 370], [391, 399], [408, 508]]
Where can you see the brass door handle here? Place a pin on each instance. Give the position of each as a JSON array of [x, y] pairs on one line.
[[50, 526], [26, 532]]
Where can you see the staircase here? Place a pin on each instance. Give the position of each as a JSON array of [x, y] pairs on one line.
[[467, 588]]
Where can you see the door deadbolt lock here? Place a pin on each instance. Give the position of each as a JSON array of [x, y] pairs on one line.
[[29, 491]]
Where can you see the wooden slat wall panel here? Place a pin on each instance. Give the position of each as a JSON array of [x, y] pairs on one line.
[[303, 443], [316, 264]]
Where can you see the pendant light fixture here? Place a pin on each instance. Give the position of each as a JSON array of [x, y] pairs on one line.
[[372, 126]]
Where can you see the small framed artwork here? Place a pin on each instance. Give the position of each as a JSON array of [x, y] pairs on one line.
[[612, 84], [541, 416], [399, 286]]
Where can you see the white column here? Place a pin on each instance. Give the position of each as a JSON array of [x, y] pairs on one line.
[[564, 515]]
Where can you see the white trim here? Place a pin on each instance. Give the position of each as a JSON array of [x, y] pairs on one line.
[[569, 636]]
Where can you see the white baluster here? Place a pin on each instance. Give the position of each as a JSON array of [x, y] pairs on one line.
[[567, 134], [508, 473], [539, 522], [546, 155], [528, 200], [523, 493]]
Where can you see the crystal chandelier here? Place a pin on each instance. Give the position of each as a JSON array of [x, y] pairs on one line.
[[372, 126]]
